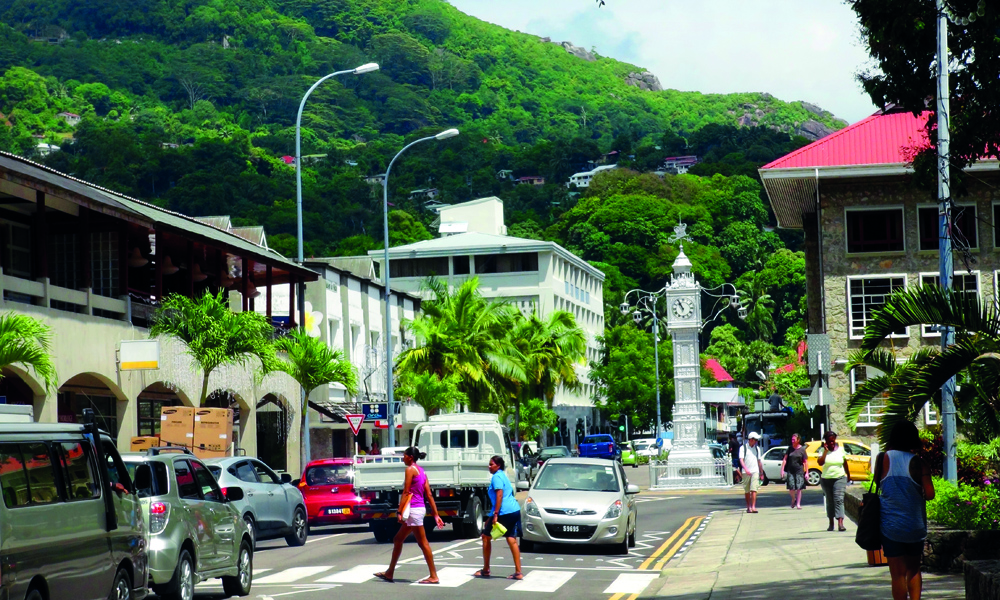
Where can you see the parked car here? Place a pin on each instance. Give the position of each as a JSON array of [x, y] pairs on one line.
[[328, 488], [272, 507], [72, 523], [718, 450], [600, 445], [580, 501], [858, 460], [628, 455], [546, 453], [647, 447], [772, 464], [196, 532]]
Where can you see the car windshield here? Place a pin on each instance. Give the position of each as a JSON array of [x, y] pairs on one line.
[[576, 477], [553, 452], [330, 475], [596, 439]]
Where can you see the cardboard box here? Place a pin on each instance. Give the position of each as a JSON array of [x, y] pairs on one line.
[[143, 443], [213, 430], [177, 426], [205, 454]]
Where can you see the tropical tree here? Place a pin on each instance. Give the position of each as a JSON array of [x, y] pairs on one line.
[[536, 417], [550, 349], [430, 392], [213, 335], [312, 364], [759, 304], [25, 342], [461, 333], [974, 358]]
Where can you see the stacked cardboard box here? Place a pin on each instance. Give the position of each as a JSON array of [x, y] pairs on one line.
[[213, 432], [143, 443], [177, 426]]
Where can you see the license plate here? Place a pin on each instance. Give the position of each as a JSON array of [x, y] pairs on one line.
[[571, 529], [338, 511]]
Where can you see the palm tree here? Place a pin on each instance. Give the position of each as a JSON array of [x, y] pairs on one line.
[[551, 349], [214, 335], [760, 307], [461, 333], [430, 392], [974, 357], [25, 341], [312, 364]]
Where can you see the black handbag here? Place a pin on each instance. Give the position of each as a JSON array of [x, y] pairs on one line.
[[869, 533]]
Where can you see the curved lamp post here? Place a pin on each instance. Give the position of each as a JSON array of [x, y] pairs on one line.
[[391, 416], [301, 299]]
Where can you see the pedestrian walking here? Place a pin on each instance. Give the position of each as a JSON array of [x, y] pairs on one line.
[[752, 468], [506, 512], [906, 488], [734, 454], [793, 470], [834, 479], [413, 505]]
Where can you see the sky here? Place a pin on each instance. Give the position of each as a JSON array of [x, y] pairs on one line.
[[806, 50]]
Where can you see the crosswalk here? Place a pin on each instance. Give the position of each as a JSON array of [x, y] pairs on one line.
[[535, 580]]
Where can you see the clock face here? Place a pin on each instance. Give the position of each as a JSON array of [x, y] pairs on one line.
[[683, 307]]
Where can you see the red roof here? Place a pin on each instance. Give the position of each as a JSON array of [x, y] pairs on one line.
[[881, 139], [717, 370]]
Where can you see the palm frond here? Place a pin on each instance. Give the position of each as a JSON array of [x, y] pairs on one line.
[[25, 341]]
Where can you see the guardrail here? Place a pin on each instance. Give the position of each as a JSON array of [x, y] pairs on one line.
[[687, 473]]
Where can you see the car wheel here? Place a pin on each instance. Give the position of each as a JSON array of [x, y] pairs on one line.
[[474, 529], [122, 589], [34, 595], [183, 581], [631, 538], [525, 545], [813, 477], [384, 531], [239, 585], [300, 529], [621, 547], [251, 529]]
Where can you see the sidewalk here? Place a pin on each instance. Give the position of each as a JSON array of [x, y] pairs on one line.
[[780, 552]]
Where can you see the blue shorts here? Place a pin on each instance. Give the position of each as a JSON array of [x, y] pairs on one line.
[[512, 521], [895, 549]]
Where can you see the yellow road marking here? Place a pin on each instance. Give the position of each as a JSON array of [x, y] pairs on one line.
[[645, 564], [678, 545], [683, 533]]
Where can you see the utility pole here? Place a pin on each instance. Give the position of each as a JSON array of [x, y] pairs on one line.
[[946, 258]]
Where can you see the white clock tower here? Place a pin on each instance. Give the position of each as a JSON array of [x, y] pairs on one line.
[[690, 463]]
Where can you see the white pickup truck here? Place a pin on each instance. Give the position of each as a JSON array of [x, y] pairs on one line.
[[458, 447]]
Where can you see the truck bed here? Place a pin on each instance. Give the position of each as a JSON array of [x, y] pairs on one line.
[[467, 471]]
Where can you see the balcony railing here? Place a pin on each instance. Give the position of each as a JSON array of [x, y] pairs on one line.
[[42, 293]]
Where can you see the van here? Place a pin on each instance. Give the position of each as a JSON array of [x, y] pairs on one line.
[[70, 521]]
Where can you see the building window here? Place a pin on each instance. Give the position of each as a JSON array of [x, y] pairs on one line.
[[507, 263], [868, 294], [15, 249], [871, 414], [965, 224], [63, 265], [875, 230], [104, 263], [418, 267], [462, 265], [961, 282]]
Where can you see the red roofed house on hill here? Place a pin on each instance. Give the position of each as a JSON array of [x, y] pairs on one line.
[[869, 230]]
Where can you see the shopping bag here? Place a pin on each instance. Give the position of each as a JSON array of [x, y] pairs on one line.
[[498, 531]]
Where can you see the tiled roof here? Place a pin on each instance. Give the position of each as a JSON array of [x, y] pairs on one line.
[[717, 370]]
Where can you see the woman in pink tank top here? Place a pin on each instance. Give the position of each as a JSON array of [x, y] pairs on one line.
[[416, 484]]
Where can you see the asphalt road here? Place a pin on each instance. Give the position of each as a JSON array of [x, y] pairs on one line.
[[343, 559]]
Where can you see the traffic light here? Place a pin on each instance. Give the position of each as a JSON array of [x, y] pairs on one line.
[[580, 433], [622, 419]]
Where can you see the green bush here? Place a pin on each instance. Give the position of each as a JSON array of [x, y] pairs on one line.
[[965, 507]]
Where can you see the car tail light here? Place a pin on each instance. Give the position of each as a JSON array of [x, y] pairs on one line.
[[159, 512], [444, 493]]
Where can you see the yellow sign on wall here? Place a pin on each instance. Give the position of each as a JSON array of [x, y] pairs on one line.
[[138, 355]]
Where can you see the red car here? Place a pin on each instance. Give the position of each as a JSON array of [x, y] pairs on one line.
[[328, 488]]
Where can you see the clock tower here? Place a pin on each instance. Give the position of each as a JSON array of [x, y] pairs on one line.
[[690, 463]]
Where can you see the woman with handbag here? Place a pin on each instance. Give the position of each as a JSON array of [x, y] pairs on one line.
[[906, 488], [412, 509], [834, 479], [506, 513]]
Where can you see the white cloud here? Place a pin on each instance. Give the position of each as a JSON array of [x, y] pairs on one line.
[[794, 49]]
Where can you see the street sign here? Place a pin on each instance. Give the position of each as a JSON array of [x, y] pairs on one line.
[[384, 424], [374, 411], [355, 422]]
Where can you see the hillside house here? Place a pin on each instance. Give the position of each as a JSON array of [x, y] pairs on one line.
[[424, 194], [530, 180], [582, 179], [72, 119], [679, 165], [869, 230]]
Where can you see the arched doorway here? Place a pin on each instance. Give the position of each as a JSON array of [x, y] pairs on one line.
[[88, 390], [14, 389], [273, 426], [151, 400]]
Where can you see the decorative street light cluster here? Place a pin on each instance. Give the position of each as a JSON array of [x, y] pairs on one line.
[[448, 133]]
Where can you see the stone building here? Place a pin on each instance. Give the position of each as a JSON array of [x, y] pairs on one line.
[[870, 230]]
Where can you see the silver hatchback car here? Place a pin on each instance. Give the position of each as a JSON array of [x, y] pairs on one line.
[[580, 501], [271, 506]]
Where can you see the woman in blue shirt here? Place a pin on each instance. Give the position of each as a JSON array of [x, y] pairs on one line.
[[507, 512]]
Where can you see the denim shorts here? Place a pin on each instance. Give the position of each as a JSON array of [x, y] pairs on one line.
[[893, 549]]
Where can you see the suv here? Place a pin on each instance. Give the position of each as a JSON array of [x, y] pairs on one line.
[[272, 507], [71, 520], [195, 531]]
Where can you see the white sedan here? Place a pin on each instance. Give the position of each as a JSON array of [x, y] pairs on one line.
[[772, 464]]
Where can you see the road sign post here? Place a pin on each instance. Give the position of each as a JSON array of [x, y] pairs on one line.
[[355, 422]]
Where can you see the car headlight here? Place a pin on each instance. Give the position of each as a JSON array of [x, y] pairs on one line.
[[531, 508], [615, 510]]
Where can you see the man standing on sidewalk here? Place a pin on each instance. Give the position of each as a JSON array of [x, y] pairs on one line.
[[752, 467]]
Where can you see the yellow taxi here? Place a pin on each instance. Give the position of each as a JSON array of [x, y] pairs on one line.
[[858, 460]]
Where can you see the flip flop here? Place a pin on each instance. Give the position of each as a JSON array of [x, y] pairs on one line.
[[518, 576], [384, 577], [484, 573], [425, 581]]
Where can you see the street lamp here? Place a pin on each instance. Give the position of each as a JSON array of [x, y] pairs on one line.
[[366, 68], [447, 133]]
